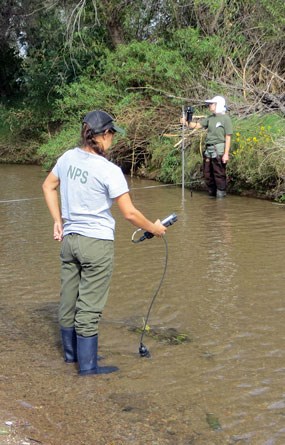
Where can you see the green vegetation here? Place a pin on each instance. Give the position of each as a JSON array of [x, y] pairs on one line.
[[164, 335], [142, 63], [258, 156]]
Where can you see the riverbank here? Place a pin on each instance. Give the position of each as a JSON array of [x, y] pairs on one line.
[[256, 167]]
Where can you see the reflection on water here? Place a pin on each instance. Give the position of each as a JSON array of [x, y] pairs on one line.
[[224, 287]]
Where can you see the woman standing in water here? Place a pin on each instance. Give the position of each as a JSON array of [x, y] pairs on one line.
[[89, 184]]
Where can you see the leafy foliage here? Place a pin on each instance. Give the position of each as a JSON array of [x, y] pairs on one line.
[[10, 71], [80, 97], [198, 52], [166, 160], [62, 141], [142, 64]]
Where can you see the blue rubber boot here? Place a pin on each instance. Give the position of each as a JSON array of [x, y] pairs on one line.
[[69, 342], [87, 352]]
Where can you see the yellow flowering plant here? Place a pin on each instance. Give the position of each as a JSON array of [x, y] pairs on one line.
[[256, 160]]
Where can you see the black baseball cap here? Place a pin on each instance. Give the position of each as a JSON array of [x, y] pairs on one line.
[[100, 121]]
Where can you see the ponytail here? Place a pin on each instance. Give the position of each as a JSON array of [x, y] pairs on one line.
[[88, 139]]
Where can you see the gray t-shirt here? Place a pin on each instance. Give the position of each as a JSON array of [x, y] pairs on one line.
[[88, 185]]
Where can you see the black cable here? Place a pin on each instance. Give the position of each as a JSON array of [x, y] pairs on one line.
[[144, 352]]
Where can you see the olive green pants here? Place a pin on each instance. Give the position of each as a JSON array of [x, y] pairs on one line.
[[86, 270]]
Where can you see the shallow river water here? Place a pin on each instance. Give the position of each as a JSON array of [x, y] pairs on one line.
[[224, 289]]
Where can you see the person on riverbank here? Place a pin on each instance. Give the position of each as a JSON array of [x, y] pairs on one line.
[[89, 184], [217, 145]]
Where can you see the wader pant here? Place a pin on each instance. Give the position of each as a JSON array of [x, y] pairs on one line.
[[214, 169], [87, 265]]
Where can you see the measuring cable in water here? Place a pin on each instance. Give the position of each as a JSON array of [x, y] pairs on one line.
[[171, 219], [17, 200]]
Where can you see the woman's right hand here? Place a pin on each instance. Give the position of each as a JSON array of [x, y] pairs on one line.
[[160, 229]]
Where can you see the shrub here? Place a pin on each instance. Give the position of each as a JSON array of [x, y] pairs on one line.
[[258, 157], [62, 141]]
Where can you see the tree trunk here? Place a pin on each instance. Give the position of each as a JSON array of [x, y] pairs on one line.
[[113, 15], [115, 32]]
